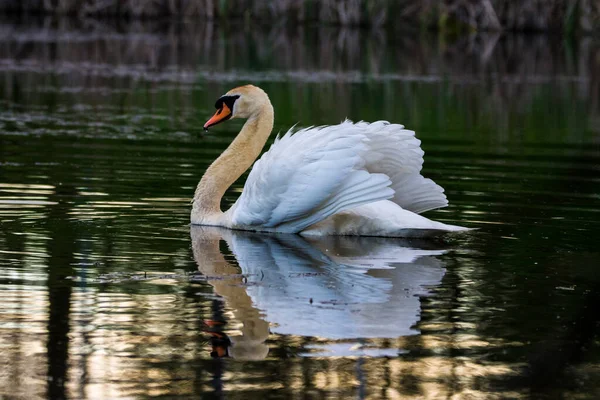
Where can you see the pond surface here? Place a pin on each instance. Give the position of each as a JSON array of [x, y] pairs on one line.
[[106, 291]]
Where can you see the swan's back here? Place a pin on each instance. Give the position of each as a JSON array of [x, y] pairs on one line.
[[314, 173]]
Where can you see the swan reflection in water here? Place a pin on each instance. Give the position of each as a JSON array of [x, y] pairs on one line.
[[335, 287]]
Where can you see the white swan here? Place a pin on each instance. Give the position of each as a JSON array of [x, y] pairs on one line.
[[347, 179]]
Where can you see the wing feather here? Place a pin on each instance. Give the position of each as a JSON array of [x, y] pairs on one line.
[[306, 177], [316, 172], [396, 152]]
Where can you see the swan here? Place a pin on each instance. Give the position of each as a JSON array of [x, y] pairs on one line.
[[348, 179]]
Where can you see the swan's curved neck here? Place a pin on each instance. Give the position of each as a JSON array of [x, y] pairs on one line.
[[232, 163]]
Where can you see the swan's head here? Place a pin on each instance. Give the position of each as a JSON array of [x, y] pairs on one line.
[[241, 102]]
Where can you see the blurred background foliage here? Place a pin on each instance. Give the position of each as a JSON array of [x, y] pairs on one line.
[[480, 81], [446, 15]]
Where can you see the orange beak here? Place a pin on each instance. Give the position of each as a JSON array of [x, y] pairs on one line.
[[222, 114]]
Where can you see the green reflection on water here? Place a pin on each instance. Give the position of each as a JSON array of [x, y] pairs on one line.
[[100, 150]]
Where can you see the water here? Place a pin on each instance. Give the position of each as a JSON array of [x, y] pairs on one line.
[[106, 292]]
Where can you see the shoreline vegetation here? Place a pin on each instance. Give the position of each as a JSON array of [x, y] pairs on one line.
[[449, 16], [481, 80]]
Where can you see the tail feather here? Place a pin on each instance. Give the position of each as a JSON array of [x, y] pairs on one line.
[[415, 193]]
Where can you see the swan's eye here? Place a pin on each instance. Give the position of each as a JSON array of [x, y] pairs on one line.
[[227, 100]]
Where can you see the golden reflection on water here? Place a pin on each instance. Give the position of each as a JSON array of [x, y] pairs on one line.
[[154, 339]]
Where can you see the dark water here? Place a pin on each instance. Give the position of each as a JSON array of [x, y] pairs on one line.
[[106, 292]]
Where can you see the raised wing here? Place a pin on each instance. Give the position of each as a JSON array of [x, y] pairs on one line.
[[307, 176], [396, 152], [314, 173]]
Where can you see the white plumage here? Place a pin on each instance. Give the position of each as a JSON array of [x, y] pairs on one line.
[[312, 174]]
